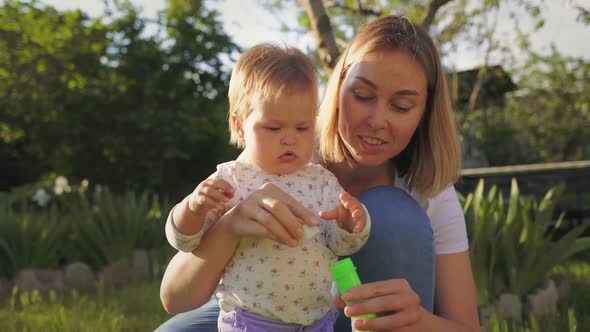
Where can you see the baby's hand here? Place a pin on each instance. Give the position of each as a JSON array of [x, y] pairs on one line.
[[209, 194], [350, 215]]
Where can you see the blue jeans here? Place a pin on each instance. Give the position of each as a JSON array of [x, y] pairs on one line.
[[400, 246]]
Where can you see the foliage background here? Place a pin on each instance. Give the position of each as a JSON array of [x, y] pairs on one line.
[[104, 100], [99, 99]]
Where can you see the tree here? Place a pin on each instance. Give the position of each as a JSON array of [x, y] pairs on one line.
[[101, 99], [551, 112], [334, 22], [474, 25]]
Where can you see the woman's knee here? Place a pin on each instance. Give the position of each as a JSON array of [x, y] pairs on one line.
[[392, 205], [401, 243]]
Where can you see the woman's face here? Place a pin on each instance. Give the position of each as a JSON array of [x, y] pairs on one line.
[[382, 100]]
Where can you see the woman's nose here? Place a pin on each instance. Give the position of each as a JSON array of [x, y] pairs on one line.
[[376, 119]]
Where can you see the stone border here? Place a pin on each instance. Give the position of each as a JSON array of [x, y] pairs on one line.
[[141, 265]]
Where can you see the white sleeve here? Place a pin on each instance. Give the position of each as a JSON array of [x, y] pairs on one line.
[[179, 241], [448, 222], [188, 243]]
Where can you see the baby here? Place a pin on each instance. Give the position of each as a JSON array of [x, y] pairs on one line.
[[268, 286]]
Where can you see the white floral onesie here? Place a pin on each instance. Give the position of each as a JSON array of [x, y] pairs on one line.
[[270, 279]]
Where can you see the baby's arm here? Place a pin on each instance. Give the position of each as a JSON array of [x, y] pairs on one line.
[[190, 218], [347, 224]]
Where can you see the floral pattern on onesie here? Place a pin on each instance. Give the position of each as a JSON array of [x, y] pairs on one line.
[[273, 280]]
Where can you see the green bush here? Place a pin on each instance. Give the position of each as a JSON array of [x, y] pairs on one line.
[[511, 244], [97, 228], [30, 239], [110, 227]]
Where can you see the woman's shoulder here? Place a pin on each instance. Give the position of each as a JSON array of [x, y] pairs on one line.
[[444, 197]]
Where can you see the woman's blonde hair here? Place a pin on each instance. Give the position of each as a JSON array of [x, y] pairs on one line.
[[432, 160], [263, 73]]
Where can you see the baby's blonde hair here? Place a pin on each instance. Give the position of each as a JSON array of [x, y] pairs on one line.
[[263, 73], [432, 159]]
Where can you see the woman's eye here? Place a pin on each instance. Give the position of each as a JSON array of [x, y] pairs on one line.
[[361, 96], [401, 108]]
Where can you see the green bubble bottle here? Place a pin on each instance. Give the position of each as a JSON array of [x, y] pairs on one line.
[[345, 277]]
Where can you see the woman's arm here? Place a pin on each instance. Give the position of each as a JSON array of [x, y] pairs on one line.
[[268, 212], [455, 300], [455, 297], [191, 278], [399, 306]]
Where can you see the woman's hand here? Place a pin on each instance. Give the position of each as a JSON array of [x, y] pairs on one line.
[[395, 303], [271, 213]]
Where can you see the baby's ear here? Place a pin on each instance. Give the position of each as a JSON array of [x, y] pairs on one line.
[[237, 124]]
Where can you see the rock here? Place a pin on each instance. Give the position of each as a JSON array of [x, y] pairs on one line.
[[140, 265], [79, 276], [562, 283], [116, 274], [509, 306], [50, 279], [26, 281], [544, 300], [485, 311]]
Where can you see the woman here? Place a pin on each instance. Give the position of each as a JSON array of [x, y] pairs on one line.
[[385, 129]]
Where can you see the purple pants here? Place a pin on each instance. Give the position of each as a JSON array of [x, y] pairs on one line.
[[241, 320]]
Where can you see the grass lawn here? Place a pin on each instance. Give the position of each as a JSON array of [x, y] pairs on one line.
[[137, 307]]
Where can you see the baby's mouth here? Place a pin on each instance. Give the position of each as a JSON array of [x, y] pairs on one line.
[[288, 156]]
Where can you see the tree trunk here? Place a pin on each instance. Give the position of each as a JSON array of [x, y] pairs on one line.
[[324, 35], [430, 12], [322, 31]]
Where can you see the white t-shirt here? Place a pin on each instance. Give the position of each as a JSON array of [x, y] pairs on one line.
[[448, 221]]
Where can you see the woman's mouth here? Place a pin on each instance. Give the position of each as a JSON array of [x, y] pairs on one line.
[[372, 140]]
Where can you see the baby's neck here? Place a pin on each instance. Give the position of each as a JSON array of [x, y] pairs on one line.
[[358, 179]]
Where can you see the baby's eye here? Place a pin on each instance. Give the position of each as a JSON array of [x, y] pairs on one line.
[[302, 128], [272, 128]]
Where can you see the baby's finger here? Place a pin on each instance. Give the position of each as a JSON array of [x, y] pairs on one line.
[[358, 214], [224, 186], [201, 203], [359, 226], [346, 199], [221, 185], [213, 193], [329, 215]]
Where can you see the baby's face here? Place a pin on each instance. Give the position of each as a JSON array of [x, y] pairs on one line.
[[279, 135]]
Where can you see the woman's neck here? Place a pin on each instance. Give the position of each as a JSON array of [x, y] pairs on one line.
[[358, 179]]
